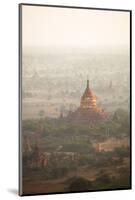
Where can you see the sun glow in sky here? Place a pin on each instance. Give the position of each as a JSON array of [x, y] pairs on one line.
[[64, 27]]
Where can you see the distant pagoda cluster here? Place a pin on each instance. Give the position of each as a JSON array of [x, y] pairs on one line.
[[88, 111]]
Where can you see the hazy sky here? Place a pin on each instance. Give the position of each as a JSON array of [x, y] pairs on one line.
[[49, 26]]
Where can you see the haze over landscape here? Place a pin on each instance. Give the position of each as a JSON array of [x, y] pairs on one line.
[[54, 81], [62, 47]]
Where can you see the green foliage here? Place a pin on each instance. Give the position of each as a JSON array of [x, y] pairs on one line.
[[122, 152], [122, 118], [80, 184], [117, 126], [107, 182], [102, 180], [29, 125], [80, 148]]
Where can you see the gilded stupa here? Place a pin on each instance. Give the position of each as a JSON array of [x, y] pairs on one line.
[[88, 112], [88, 99]]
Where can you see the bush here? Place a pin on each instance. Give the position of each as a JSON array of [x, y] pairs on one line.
[[80, 148], [80, 184]]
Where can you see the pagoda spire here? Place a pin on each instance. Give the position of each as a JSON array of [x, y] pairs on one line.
[[88, 99], [87, 83]]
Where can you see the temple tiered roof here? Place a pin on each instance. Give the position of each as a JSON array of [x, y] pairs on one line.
[[88, 112]]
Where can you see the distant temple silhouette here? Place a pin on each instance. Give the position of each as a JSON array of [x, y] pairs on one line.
[[88, 111]]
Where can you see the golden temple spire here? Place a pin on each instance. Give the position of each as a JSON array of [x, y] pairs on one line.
[[87, 83], [88, 99]]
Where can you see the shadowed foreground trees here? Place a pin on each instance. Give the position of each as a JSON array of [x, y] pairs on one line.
[[79, 184]]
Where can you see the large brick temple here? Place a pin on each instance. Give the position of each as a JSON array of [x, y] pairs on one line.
[[88, 112]]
